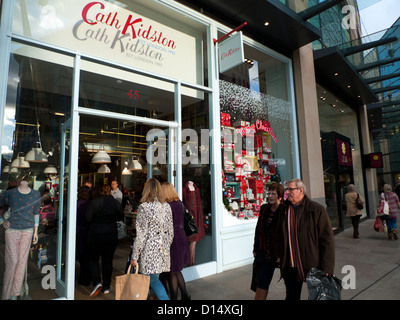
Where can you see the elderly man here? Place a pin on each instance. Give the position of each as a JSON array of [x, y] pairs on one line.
[[306, 239]]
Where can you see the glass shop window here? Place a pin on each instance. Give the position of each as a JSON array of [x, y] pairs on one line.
[[256, 137]]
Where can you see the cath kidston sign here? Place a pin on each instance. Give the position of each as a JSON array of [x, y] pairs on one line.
[[115, 33], [231, 52]]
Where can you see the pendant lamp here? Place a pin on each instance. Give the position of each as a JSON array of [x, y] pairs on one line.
[[20, 163], [36, 154], [127, 172], [104, 169], [6, 169], [156, 171], [50, 169], [101, 156], [135, 165]]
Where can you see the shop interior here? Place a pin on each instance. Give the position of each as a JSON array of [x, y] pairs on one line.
[[38, 108]]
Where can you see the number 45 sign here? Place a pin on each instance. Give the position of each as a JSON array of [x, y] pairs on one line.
[[133, 94]]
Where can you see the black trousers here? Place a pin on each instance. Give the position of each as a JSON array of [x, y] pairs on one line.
[[293, 286], [102, 246], [355, 221]]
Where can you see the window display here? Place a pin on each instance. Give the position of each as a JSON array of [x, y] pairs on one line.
[[249, 165], [256, 132]]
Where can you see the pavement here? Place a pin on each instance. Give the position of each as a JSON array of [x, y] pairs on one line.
[[369, 268]]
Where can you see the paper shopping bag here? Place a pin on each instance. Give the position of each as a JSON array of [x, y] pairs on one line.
[[132, 286]]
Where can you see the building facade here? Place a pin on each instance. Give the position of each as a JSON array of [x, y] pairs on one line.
[[129, 90]]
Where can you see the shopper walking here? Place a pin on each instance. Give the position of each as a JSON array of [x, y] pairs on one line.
[[82, 227], [306, 238], [179, 248], [154, 236], [352, 211], [102, 216], [394, 204], [265, 257]]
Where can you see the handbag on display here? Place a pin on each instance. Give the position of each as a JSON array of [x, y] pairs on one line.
[[132, 286], [189, 223], [359, 203]]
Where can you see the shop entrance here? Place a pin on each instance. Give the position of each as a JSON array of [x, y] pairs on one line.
[[70, 107], [128, 152], [338, 173]]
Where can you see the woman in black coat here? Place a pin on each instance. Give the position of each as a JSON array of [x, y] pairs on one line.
[[102, 216], [265, 257]]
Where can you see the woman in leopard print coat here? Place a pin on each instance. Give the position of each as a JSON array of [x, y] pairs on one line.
[[154, 236]]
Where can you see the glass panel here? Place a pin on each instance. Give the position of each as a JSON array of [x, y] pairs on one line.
[[256, 119], [63, 207], [337, 123], [126, 144], [196, 172], [141, 34], [38, 102], [113, 90]]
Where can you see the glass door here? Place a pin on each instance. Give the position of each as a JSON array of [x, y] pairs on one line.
[[66, 213], [63, 207]]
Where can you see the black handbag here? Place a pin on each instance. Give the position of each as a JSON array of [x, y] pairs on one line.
[[189, 223], [322, 287], [359, 203]]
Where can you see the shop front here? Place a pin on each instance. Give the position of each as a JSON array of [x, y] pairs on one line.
[[342, 155], [259, 144], [104, 91]]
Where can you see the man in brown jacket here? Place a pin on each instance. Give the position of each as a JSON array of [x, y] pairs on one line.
[[306, 239]]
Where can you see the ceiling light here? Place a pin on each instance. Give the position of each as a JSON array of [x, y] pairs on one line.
[[126, 172], [135, 164], [101, 156], [156, 171], [266, 23], [36, 154], [104, 169], [50, 169], [20, 162]]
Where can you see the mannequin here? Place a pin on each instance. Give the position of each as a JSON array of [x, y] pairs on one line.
[[191, 185], [21, 230], [192, 201]]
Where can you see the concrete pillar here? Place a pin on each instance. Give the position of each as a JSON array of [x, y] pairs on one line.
[[308, 123], [370, 174]]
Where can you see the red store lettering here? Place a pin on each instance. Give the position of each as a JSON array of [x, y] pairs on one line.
[[229, 53], [111, 20], [259, 126]]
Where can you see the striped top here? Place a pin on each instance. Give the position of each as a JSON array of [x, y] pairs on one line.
[[393, 201], [294, 249]]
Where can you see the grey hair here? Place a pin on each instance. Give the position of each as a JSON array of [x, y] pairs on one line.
[[299, 184], [351, 187], [387, 188]]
